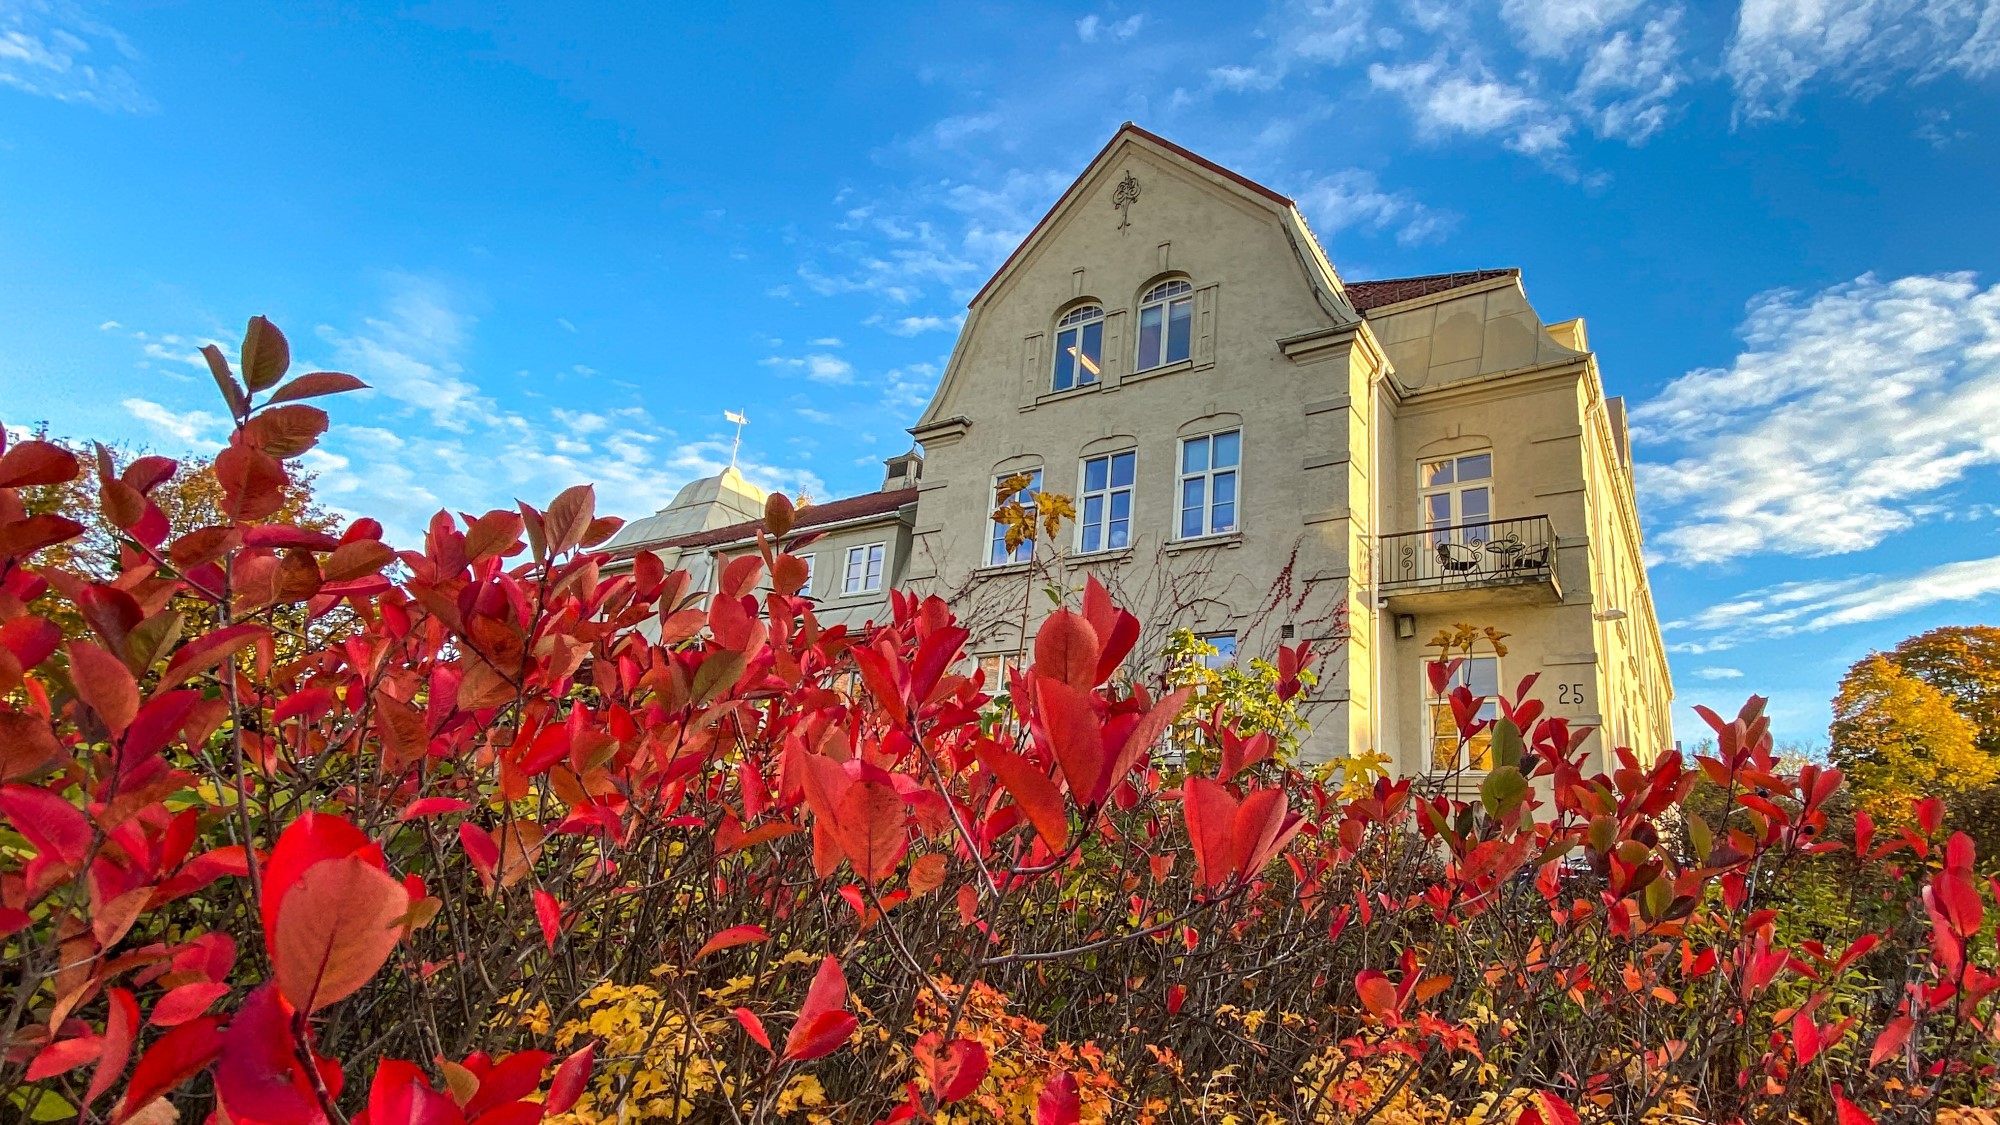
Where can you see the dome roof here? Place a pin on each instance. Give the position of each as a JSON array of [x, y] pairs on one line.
[[701, 504]]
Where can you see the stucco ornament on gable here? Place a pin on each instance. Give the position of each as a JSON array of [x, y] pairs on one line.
[[1123, 198]]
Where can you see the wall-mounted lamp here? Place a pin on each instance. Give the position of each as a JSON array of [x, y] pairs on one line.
[[1609, 615], [1406, 626]]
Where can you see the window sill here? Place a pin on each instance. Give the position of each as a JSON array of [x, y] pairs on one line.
[[1224, 539], [844, 598], [993, 570], [1164, 369], [1091, 558], [1070, 392]]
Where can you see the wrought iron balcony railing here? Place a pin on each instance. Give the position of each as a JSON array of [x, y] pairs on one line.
[[1490, 552]]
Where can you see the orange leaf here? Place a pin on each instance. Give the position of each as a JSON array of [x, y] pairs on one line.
[[336, 926], [731, 938]]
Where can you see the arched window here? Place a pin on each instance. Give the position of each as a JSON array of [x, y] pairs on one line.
[[1166, 323], [1079, 347]]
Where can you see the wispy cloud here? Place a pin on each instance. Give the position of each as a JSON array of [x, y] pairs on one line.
[[1354, 198], [54, 49], [1718, 673], [1093, 27], [1465, 98], [1782, 46], [1817, 605], [819, 367], [1849, 408]]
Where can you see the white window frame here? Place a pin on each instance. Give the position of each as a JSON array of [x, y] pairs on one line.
[[1002, 662], [1208, 475], [996, 534], [871, 555], [1453, 491], [1164, 298], [1221, 659], [1105, 498], [1072, 324], [806, 588], [1439, 724]]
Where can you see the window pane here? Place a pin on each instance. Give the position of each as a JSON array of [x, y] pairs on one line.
[[1224, 645], [1482, 675], [1224, 518], [1093, 522], [1121, 470], [1149, 336], [1065, 359], [1093, 538], [1034, 485], [1094, 472], [1438, 510], [1191, 507], [1474, 505], [1194, 455], [1121, 505], [1435, 473], [1479, 466], [1180, 326], [1121, 534], [1226, 449], [1090, 360]]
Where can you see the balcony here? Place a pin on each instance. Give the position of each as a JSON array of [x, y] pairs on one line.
[[1493, 562]]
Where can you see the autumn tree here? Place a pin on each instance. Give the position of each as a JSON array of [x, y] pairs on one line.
[[1962, 661], [1898, 739]]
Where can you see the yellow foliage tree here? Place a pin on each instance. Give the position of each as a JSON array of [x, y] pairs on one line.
[[1898, 739], [1962, 661]]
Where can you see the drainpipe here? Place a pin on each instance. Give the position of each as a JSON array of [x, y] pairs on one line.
[[1377, 650]]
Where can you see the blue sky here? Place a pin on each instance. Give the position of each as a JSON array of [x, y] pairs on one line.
[[561, 244]]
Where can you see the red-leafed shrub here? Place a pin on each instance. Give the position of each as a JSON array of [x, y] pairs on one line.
[[299, 828]]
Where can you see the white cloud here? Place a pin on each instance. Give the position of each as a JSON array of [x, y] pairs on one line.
[[1847, 410], [197, 429], [1792, 608], [1240, 78], [1781, 46], [1355, 199], [1092, 28], [565, 325], [1719, 673], [54, 49], [1557, 27], [1469, 100], [819, 367], [826, 342], [916, 325], [1627, 85], [956, 130], [411, 351]]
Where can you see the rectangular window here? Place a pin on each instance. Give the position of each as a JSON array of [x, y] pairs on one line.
[[1224, 645], [806, 589], [1166, 324], [1456, 496], [995, 666], [1104, 514], [1079, 347], [1482, 675], [997, 553], [1208, 492], [864, 569]]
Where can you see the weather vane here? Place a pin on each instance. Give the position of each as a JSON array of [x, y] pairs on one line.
[[1123, 198], [737, 417]]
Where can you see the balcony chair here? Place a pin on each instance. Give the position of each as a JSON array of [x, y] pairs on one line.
[[1457, 558], [1533, 558]]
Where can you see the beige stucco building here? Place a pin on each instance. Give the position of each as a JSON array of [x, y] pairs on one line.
[[1262, 452]]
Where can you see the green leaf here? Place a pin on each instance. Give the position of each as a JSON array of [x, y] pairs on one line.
[[1700, 837], [266, 355], [218, 366], [1507, 744], [1503, 791]]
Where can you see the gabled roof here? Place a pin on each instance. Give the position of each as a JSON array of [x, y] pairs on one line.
[[809, 517], [1125, 130], [1366, 295]]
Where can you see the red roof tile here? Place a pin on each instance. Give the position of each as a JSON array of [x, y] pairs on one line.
[[1365, 295], [810, 516]]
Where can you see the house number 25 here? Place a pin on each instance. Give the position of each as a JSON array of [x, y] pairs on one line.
[[1569, 695]]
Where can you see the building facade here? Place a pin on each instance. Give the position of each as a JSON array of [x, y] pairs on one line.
[[1262, 453]]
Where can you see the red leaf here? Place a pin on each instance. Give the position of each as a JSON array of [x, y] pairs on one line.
[[1377, 994], [1066, 649], [1031, 789], [567, 1085], [119, 1028], [1211, 824], [258, 1076], [754, 1026], [481, 850], [1558, 1111], [253, 483], [186, 1002], [54, 826], [30, 463], [957, 1071], [336, 927], [103, 682], [266, 356], [826, 997], [870, 825], [208, 651], [1850, 1114], [285, 431], [65, 1055], [315, 383], [432, 806], [312, 838], [174, 1058], [548, 914], [1059, 1103], [1075, 736], [1891, 1040], [822, 1035], [730, 938], [402, 1094]]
